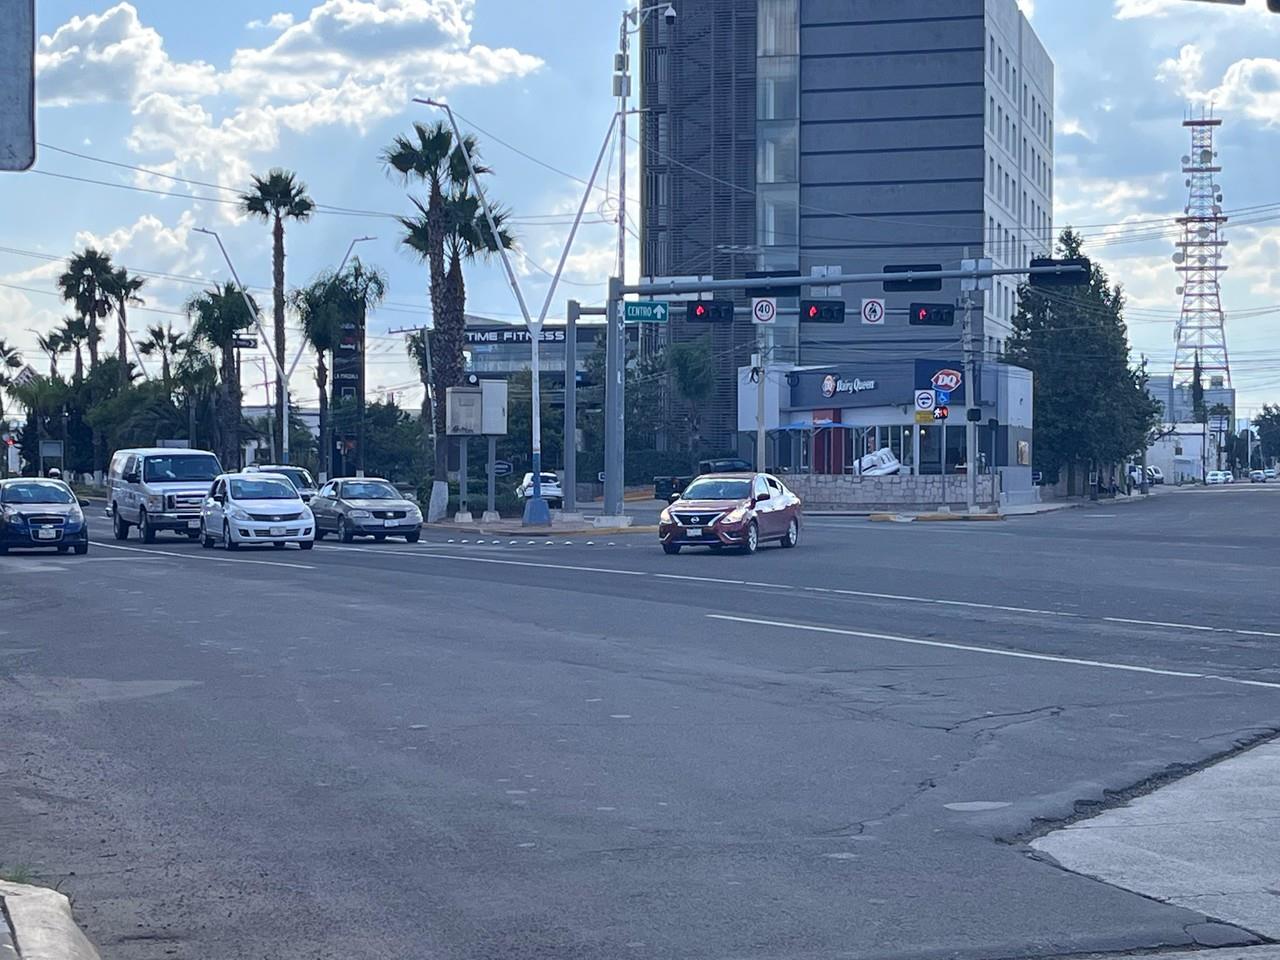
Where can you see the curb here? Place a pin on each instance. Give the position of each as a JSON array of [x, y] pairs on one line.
[[43, 928], [536, 531], [934, 517]]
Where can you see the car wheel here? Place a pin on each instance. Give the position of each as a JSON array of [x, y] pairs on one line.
[[206, 541], [119, 528], [145, 529], [344, 531], [320, 532], [751, 543], [227, 542], [306, 544], [792, 536], [670, 549], [81, 549], [413, 536]]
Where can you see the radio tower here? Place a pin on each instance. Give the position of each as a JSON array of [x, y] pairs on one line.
[[1201, 331]]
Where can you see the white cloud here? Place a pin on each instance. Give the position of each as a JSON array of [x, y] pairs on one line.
[[1185, 71], [1070, 127], [112, 56], [1028, 7], [1131, 9], [277, 21]]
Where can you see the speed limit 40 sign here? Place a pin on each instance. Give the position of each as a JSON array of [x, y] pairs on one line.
[[764, 309]]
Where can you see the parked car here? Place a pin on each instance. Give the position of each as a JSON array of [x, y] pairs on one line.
[[365, 507], [552, 492], [41, 513], [664, 487], [243, 509], [300, 478], [1155, 475], [158, 488], [739, 510], [1270, 473], [1257, 476], [1217, 477]]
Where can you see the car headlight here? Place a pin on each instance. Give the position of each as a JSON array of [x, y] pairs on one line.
[[237, 513], [75, 515], [665, 515], [414, 513], [11, 513], [736, 515], [359, 514], [155, 503]]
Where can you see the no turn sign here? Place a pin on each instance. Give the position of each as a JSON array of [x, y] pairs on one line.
[[764, 309], [873, 312]]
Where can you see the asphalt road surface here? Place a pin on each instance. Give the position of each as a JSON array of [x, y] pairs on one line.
[[537, 749]]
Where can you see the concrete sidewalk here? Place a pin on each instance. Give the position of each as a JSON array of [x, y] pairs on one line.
[[41, 924], [1209, 842]]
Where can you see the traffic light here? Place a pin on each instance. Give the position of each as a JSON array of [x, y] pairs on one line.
[[1074, 278], [941, 413], [932, 315], [709, 311], [912, 286], [822, 311]]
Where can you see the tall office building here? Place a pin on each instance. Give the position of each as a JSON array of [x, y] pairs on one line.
[[799, 134]]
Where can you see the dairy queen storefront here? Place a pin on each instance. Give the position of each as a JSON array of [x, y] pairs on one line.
[[827, 418]]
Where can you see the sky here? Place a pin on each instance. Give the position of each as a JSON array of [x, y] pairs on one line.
[[152, 114]]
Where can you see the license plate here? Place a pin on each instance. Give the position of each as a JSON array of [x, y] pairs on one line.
[[193, 524], [277, 531], [694, 532], [46, 533], [391, 523]]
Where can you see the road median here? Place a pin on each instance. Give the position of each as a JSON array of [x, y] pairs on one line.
[[41, 924]]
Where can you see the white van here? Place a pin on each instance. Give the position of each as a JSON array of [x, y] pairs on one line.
[[159, 488]]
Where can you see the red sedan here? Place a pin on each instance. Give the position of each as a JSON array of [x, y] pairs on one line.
[[740, 510]]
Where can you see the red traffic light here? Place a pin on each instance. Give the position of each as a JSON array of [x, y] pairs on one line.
[[700, 311], [922, 314], [813, 310]]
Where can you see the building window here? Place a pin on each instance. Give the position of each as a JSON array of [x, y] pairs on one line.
[[777, 152], [777, 88], [991, 176], [778, 215], [778, 28], [991, 53]]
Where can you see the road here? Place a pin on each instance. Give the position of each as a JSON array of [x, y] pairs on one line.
[[537, 749]]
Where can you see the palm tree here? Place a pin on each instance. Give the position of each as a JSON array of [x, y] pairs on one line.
[[163, 340], [10, 359], [51, 345], [359, 290], [87, 283], [278, 197], [123, 289], [218, 316], [321, 326], [431, 156], [74, 332]]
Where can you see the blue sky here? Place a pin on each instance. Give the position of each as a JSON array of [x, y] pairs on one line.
[[211, 92]]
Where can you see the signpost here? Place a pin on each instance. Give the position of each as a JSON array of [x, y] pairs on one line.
[[245, 343], [645, 311], [764, 310]]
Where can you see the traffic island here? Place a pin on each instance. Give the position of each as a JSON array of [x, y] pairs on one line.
[[41, 926]]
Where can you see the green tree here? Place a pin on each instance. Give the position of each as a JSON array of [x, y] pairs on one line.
[[74, 334], [1267, 423], [10, 360], [123, 289], [1197, 393], [392, 440], [275, 198], [418, 347], [218, 316], [87, 284], [1090, 406], [693, 375], [163, 341], [51, 345]]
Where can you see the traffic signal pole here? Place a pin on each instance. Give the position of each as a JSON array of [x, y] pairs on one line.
[[971, 403]]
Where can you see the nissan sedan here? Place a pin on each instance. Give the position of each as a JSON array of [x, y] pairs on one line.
[[365, 507], [738, 510]]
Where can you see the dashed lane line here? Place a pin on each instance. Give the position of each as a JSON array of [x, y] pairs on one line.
[[215, 558], [994, 651]]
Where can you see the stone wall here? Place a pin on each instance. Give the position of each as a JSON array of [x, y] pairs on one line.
[[835, 492]]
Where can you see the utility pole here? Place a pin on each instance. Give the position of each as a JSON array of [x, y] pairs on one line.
[[970, 425], [571, 313], [614, 422], [1143, 486], [757, 371]]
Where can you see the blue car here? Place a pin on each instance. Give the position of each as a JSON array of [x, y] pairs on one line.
[[41, 513]]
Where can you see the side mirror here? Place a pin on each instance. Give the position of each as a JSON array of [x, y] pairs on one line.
[[131, 478], [673, 498], [82, 501], [761, 497], [219, 498]]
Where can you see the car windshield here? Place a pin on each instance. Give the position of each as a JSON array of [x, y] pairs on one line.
[[369, 491], [297, 476], [180, 468], [36, 491], [716, 488], [263, 489]]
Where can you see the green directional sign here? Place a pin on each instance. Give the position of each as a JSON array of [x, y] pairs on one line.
[[645, 311]]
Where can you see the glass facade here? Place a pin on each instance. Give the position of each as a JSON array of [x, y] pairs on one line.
[[778, 154]]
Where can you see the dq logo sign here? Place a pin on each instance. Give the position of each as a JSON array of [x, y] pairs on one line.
[[947, 380]]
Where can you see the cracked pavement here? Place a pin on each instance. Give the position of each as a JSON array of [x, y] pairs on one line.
[[520, 752]]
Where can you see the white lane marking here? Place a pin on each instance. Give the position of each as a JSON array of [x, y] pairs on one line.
[[205, 556], [900, 597], [994, 651]]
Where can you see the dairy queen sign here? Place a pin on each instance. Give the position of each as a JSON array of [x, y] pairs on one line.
[[831, 385], [947, 380]]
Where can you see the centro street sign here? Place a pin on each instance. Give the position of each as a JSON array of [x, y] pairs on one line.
[[645, 311]]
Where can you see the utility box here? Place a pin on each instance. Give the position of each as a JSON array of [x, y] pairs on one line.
[[464, 411], [493, 408]]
